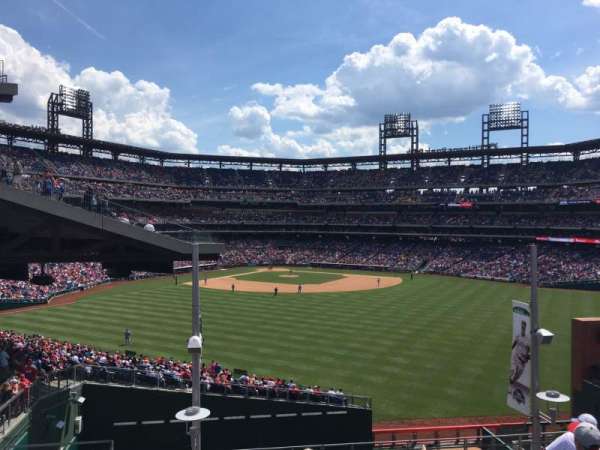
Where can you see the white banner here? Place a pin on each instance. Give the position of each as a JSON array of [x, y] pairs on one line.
[[519, 381]]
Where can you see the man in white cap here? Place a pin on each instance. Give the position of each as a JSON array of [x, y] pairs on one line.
[[587, 437], [566, 441]]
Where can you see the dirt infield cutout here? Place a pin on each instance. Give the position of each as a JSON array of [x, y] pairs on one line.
[[349, 283]]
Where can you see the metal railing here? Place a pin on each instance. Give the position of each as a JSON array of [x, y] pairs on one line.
[[457, 432], [482, 439], [13, 408], [147, 378], [98, 445]]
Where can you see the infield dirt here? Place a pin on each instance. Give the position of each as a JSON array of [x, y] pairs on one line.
[[349, 283]]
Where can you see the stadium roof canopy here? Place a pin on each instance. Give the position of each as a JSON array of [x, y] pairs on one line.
[[36, 229]]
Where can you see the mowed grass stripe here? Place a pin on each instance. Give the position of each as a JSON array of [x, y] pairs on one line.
[[435, 346]]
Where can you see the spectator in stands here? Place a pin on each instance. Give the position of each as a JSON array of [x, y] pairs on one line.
[[87, 198], [47, 184], [3, 173], [59, 188], [4, 365], [587, 437], [566, 441], [17, 176], [6, 392]]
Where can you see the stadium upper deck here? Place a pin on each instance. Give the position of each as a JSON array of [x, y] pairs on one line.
[[484, 155]]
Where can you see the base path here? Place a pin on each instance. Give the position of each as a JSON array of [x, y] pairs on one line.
[[349, 282]]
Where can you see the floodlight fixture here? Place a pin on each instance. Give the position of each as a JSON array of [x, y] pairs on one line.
[[553, 396], [195, 344], [545, 337], [394, 126], [7, 90], [505, 116], [75, 103], [192, 414]]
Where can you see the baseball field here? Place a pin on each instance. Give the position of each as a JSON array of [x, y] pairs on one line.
[[429, 347]]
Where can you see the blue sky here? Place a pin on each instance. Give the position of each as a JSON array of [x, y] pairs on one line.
[[209, 55]]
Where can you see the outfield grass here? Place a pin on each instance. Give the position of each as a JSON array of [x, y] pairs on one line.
[[298, 277], [432, 347]]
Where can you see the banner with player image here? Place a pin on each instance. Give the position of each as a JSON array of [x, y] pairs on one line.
[[519, 380]]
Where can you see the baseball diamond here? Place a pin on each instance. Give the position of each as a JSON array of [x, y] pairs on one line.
[[304, 281]]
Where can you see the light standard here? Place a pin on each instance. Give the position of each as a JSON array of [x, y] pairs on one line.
[[539, 336], [194, 414]]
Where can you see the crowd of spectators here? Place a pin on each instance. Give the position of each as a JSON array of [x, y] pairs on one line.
[[180, 194], [27, 358], [557, 263], [201, 218], [66, 277], [538, 181], [496, 174]]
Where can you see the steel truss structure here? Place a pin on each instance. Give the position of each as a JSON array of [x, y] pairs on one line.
[[74, 103], [506, 116], [398, 126]]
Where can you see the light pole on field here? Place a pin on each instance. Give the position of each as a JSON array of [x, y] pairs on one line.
[[536, 432], [194, 414]]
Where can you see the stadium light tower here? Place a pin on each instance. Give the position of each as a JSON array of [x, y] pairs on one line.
[[7, 90], [505, 116], [74, 103], [398, 126]]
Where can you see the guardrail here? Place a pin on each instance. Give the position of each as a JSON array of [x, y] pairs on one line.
[[484, 440], [13, 408], [146, 378], [458, 433], [97, 445]]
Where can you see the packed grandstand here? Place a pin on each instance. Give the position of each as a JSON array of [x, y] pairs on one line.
[[37, 357], [460, 220]]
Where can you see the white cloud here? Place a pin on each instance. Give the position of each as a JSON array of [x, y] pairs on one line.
[[592, 3], [250, 121], [253, 122], [440, 76], [137, 113], [447, 72], [236, 151], [589, 84]]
